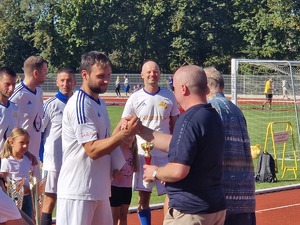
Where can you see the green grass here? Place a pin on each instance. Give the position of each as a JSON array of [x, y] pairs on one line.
[[257, 121]]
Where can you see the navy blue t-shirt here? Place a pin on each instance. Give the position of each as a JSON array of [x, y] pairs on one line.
[[198, 141]]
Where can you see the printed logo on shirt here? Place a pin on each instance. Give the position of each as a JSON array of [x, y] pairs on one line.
[[29, 103], [37, 123], [163, 104]]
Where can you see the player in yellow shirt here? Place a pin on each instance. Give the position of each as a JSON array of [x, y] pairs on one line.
[[269, 93]]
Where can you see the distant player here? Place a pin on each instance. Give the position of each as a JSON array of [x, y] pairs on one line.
[[269, 93], [285, 92]]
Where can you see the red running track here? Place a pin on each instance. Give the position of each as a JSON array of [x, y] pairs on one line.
[[275, 208]]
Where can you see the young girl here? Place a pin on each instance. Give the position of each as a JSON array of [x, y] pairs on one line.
[[16, 165], [121, 189]]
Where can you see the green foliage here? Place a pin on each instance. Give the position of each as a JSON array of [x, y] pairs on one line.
[[172, 32]]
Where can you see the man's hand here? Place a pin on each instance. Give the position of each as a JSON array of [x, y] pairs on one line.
[[148, 173]]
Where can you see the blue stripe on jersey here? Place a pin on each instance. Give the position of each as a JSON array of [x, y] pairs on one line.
[[80, 107], [46, 104], [17, 89]]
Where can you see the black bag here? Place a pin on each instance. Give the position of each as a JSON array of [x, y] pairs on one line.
[[266, 169]]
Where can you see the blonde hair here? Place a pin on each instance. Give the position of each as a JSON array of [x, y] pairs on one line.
[[7, 149]]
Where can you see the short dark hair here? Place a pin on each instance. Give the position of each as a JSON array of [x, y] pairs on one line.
[[94, 57], [34, 62], [5, 70], [66, 70]]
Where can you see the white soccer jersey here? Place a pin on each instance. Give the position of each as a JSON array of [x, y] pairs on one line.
[[84, 120], [154, 110], [8, 121], [17, 169], [51, 128], [30, 108]]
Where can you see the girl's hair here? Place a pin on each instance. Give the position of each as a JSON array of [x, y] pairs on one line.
[[7, 149], [134, 149]]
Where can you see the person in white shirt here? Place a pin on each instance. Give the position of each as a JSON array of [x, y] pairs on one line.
[[28, 96], [8, 110], [157, 109], [16, 165], [51, 139], [84, 181]]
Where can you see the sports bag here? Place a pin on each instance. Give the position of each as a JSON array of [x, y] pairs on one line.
[[266, 168]]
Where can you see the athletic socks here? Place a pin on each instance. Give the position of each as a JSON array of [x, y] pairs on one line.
[[145, 216], [46, 219]]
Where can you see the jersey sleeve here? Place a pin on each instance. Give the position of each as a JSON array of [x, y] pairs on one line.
[[85, 128]]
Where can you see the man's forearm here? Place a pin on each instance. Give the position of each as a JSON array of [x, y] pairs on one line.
[[161, 141]]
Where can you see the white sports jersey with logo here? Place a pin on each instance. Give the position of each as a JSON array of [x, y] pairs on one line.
[[84, 120], [154, 110], [51, 128], [30, 107], [8, 121]]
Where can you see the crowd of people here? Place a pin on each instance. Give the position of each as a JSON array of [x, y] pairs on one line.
[[200, 155]]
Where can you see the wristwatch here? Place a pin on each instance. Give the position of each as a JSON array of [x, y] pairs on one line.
[[154, 174]]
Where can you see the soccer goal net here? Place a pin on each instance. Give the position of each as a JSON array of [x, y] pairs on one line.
[[248, 81]]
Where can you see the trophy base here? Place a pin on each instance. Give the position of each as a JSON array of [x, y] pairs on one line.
[[148, 185]]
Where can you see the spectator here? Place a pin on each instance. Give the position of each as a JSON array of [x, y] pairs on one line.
[[126, 85], [238, 170], [118, 86]]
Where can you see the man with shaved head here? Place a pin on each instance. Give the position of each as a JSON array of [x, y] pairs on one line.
[[195, 154], [157, 108]]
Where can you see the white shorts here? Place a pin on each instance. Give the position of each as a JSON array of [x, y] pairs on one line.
[[137, 182], [51, 181], [8, 209], [79, 212]]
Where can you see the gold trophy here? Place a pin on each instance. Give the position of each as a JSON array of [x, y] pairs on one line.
[[147, 147]]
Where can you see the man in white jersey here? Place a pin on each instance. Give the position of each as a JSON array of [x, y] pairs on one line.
[[157, 109], [51, 139], [85, 177], [8, 110], [28, 96]]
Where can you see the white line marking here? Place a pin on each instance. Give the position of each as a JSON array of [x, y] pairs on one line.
[[280, 207]]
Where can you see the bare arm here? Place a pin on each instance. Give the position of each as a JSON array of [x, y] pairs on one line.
[[161, 141], [172, 172], [98, 148]]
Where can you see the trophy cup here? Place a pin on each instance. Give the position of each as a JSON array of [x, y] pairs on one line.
[[37, 189], [15, 190], [147, 147]]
